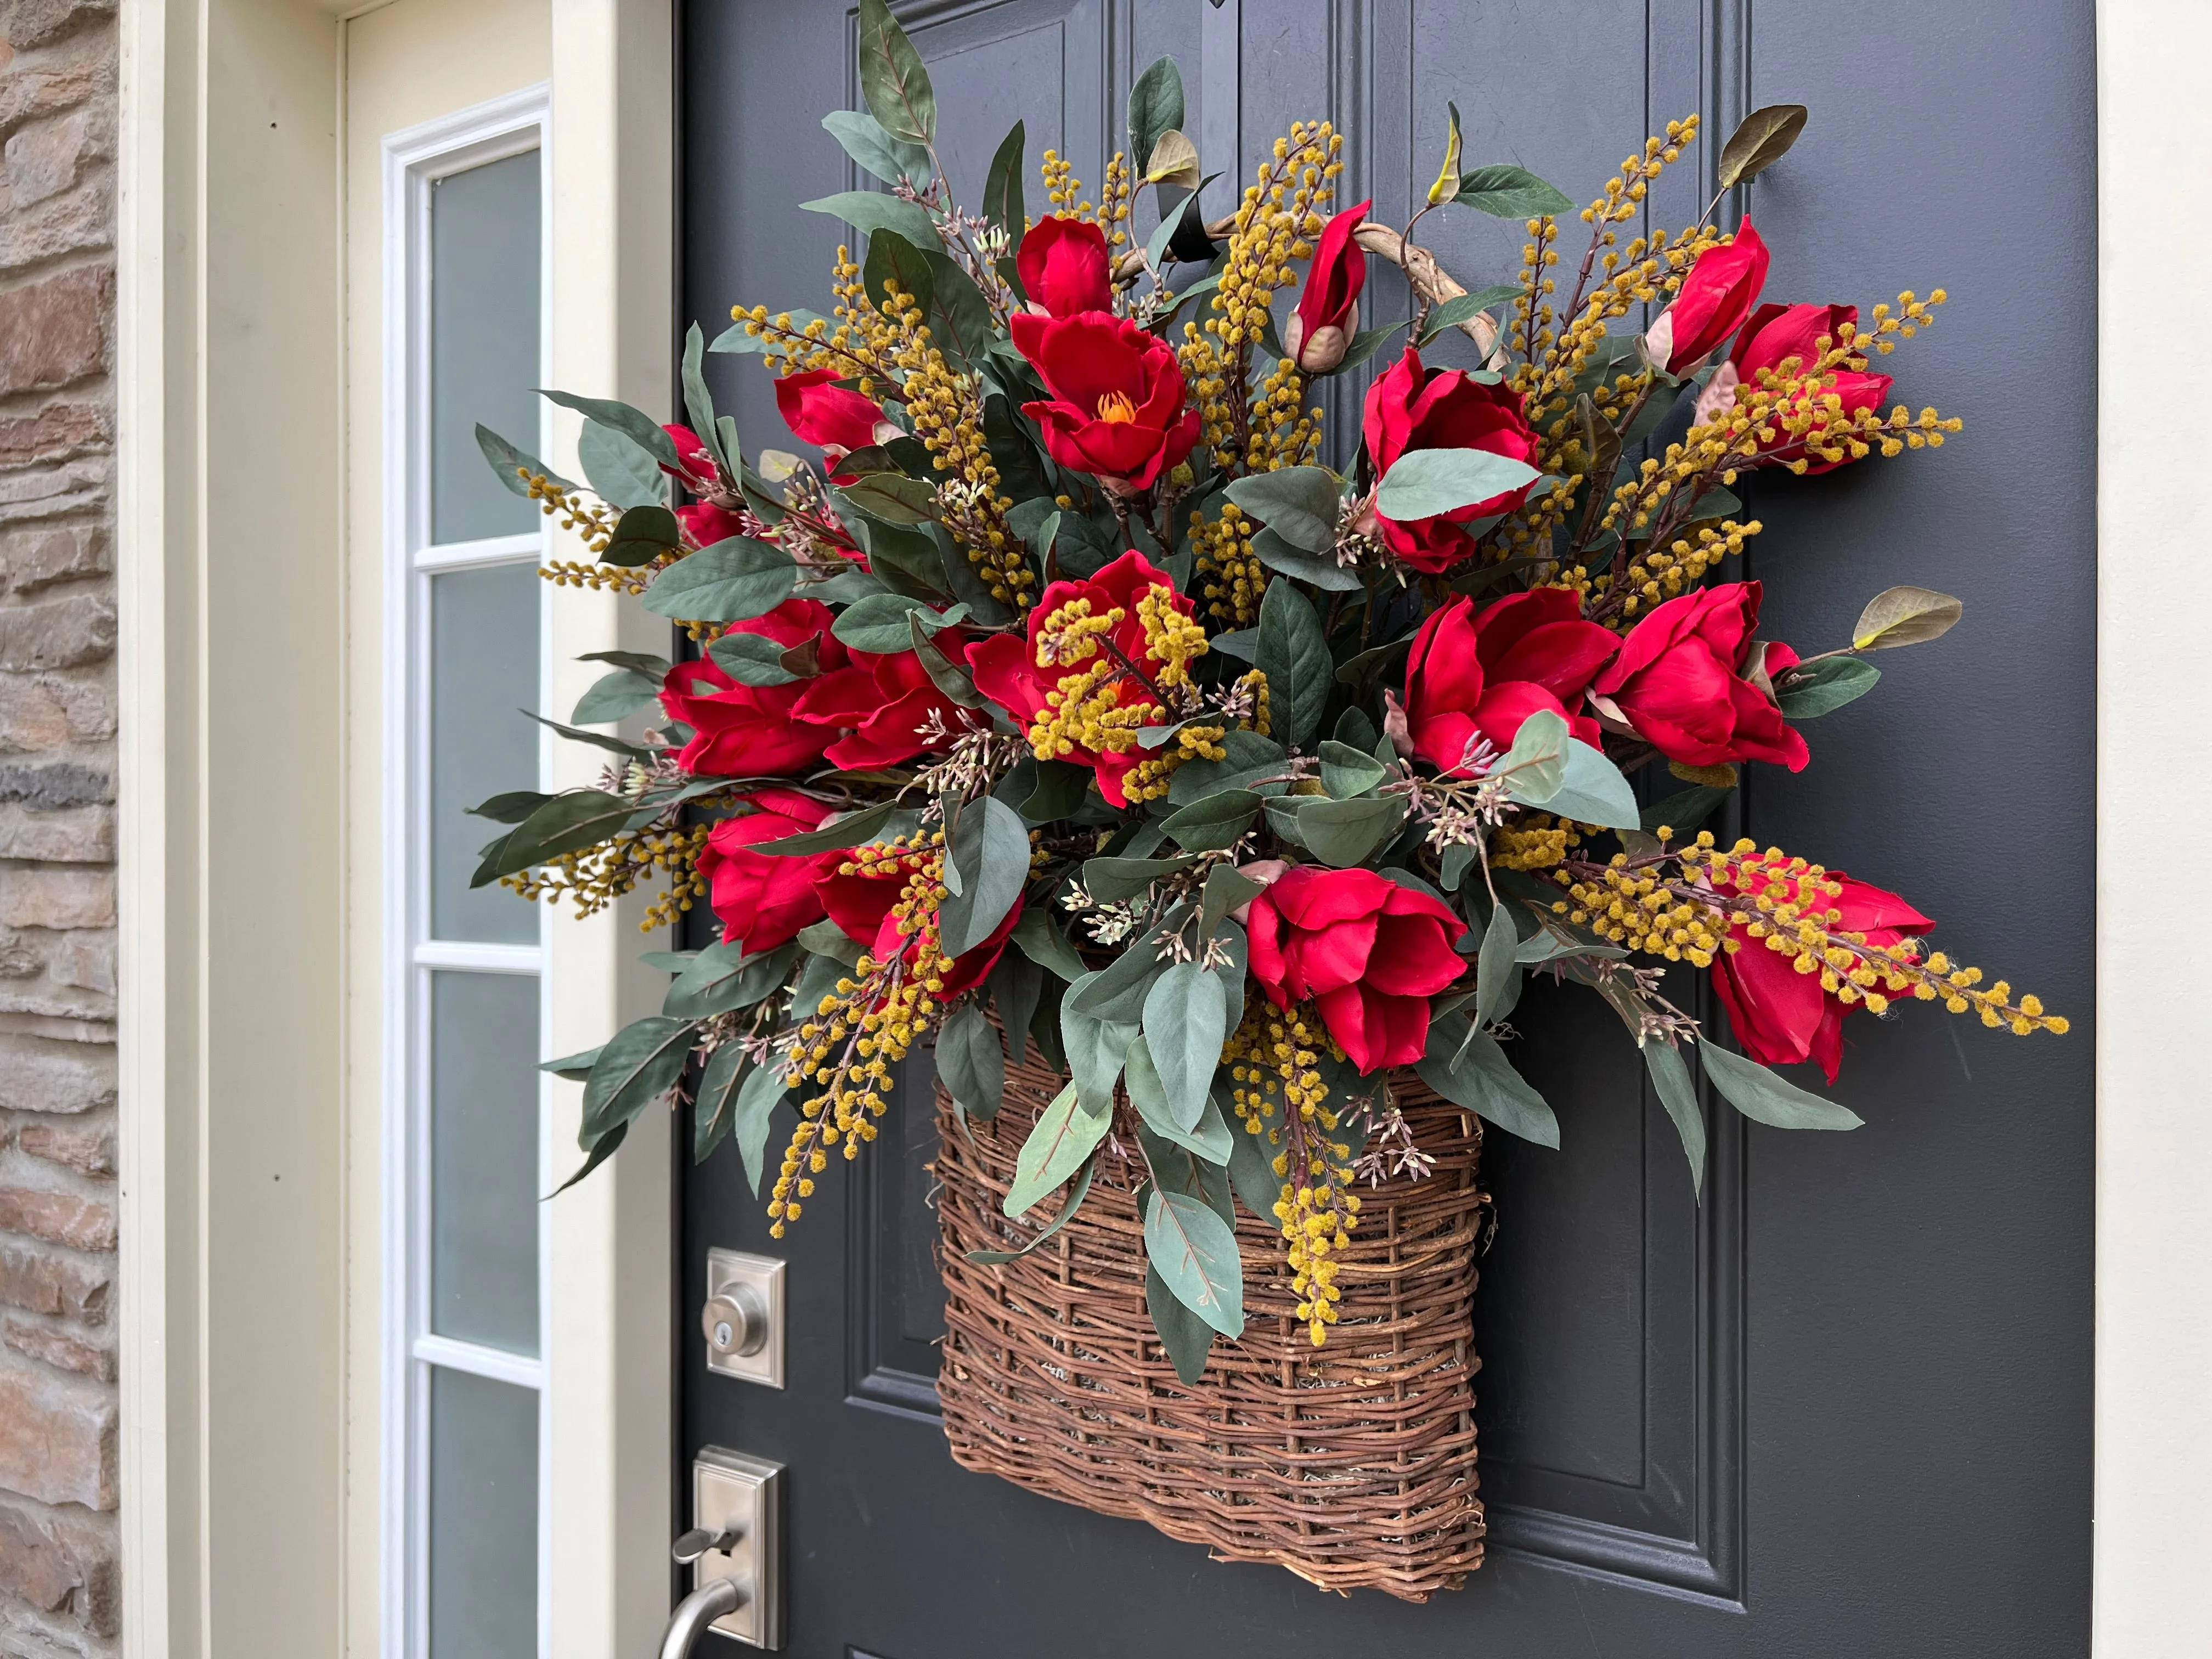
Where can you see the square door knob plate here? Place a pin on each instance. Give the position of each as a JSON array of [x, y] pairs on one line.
[[742, 1497]]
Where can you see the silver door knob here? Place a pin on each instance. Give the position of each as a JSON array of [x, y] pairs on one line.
[[736, 1321], [716, 1599]]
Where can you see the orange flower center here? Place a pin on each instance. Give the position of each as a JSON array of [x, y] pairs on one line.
[[1116, 409]]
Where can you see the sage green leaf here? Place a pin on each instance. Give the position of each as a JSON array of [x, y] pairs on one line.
[[565, 823], [1905, 615], [1186, 1339], [1110, 880], [624, 475], [1062, 1137], [1016, 986], [1346, 772], [880, 624], [869, 211], [639, 662], [1764, 1098], [699, 403], [1494, 963], [1156, 108], [642, 534], [1252, 1170], [1365, 343], [715, 1109], [510, 462], [892, 78], [1426, 483], [1536, 765], [1592, 790], [891, 497], [722, 977], [1763, 138], [1670, 1076], [870, 143], [1823, 687], [1548, 946], [512, 806], [572, 1068], [1073, 1202], [1226, 888], [1249, 757], [1041, 940], [1343, 832], [639, 427], [750, 659], [1060, 787], [1298, 504], [638, 1065], [1356, 670], [833, 837], [1468, 1068], [1293, 653], [1216, 823], [597, 739], [959, 316], [970, 1064], [989, 851], [617, 696], [1229, 976], [947, 676], [1194, 1251], [1683, 812], [1002, 185], [1185, 1028], [1465, 307], [733, 580], [1504, 192], [1239, 642], [891, 260], [1118, 990], [596, 1152], [1316, 569], [1095, 1049], [827, 938], [1206, 1136], [756, 1102]]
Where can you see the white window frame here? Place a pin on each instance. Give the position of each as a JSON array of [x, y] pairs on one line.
[[414, 159]]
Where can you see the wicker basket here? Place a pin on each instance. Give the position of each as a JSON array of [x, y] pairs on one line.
[[1353, 1465]]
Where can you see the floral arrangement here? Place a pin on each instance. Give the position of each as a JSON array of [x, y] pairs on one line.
[[1072, 688]]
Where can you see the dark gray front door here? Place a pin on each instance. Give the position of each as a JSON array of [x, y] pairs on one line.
[[1842, 1409]]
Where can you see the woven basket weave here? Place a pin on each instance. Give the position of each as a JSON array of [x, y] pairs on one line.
[[1353, 1465]]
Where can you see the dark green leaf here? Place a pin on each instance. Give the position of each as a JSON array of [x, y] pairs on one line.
[[1040, 939], [1670, 1076], [597, 739], [510, 462], [1016, 986], [892, 78], [1763, 139], [638, 1065], [1171, 1146], [1110, 880], [1317, 569], [1252, 1171], [574, 1068], [733, 580], [639, 427], [1504, 192], [1370, 662], [699, 402], [867, 142], [827, 938], [1468, 1068], [624, 475], [1184, 1027], [757, 1101], [642, 534], [1216, 823], [1186, 1337], [1426, 483], [1764, 1098], [989, 852], [1002, 185], [1226, 888], [1823, 687], [891, 497], [1593, 791], [715, 1109], [959, 317], [869, 211], [1076, 1194], [1118, 991], [599, 1152], [1299, 503], [1346, 772], [893, 260], [1343, 832], [722, 977], [970, 1064], [947, 676], [1061, 1139], [1240, 643], [1096, 1047], [1194, 1251], [751, 659], [565, 823], [834, 836], [1156, 106], [1683, 812], [512, 807], [1365, 343], [1060, 787], [880, 624], [1463, 308], [1294, 655], [617, 696]]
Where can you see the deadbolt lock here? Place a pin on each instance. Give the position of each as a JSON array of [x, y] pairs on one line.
[[743, 1318]]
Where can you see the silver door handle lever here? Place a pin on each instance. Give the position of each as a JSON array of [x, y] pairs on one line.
[[710, 1602]]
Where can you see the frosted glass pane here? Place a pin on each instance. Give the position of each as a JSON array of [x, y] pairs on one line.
[[484, 1518], [483, 673], [483, 1158], [483, 342]]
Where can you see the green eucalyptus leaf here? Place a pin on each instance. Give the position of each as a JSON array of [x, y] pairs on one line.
[[1249, 757], [1299, 503], [722, 977], [1002, 185], [1494, 963], [1076, 1194], [1293, 653], [880, 626], [1118, 991], [699, 403], [1111, 880], [1185, 1026], [1315, 569], [970, 1063], [639, 427], [1468, 1068], [1095, 1049], [564, 823], [572, 1068], [1465, 307], [1194, 1252], [1156, 107], [1505, 191], [1536, 765], [510, 462], [1426, 483], [833, 837], [1346, 772], [1206, 1138], [733, 580], [1216, 823], [869, 212], [715, 1109], [870, 143], [1764, 1098], [1823, 687], [1683, 812], [642, 534], [1592, 789], [1344, 832], [638, 1065], [756, 1102], [624, 475], [1670, 1077], [892, 79], [989, 852], [1358, 670], [1226, 888], [891, 497], [1016, 986], [1039, 938], [615, 698], [1252, 1171], [1057, 1145], [1060, 787], [751, 659], [596, 1153], [1186, 1339]]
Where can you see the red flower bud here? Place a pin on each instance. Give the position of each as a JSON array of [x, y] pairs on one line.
[[1065, 267], [1411, 407], [1714, 298], [763, 899], [1327, 316], [1680, 681], [1471, 678], [835, 419]]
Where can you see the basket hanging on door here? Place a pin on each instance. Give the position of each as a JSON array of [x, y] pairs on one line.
[[1353, 1465]]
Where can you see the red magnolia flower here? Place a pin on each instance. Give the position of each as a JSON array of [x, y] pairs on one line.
[[1777, 333], [1328, 306], [709, 524], [1780, 1015], [1369, 952], [1472, 676], [1117, 409], [835, 419], [862, 902], [763, 900], [1680, 681], [1020, 675], [1716, 297], [1065, 267], [697, 469], [1411, 408], [749, 731], [883, 705]]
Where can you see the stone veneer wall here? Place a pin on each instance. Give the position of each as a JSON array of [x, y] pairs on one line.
[[58, 1395]]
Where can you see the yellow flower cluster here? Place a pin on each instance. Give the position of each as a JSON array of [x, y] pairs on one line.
[[852, 341], [1275, 224], [1656, 573], [595, 876], [1635, 905], [1231, 576], [1274, 1059], [948, 417], [1535, 843], [1062, 190], [866, 1025]]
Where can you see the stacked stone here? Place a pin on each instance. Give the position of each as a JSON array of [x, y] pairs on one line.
[[57, 1229]]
